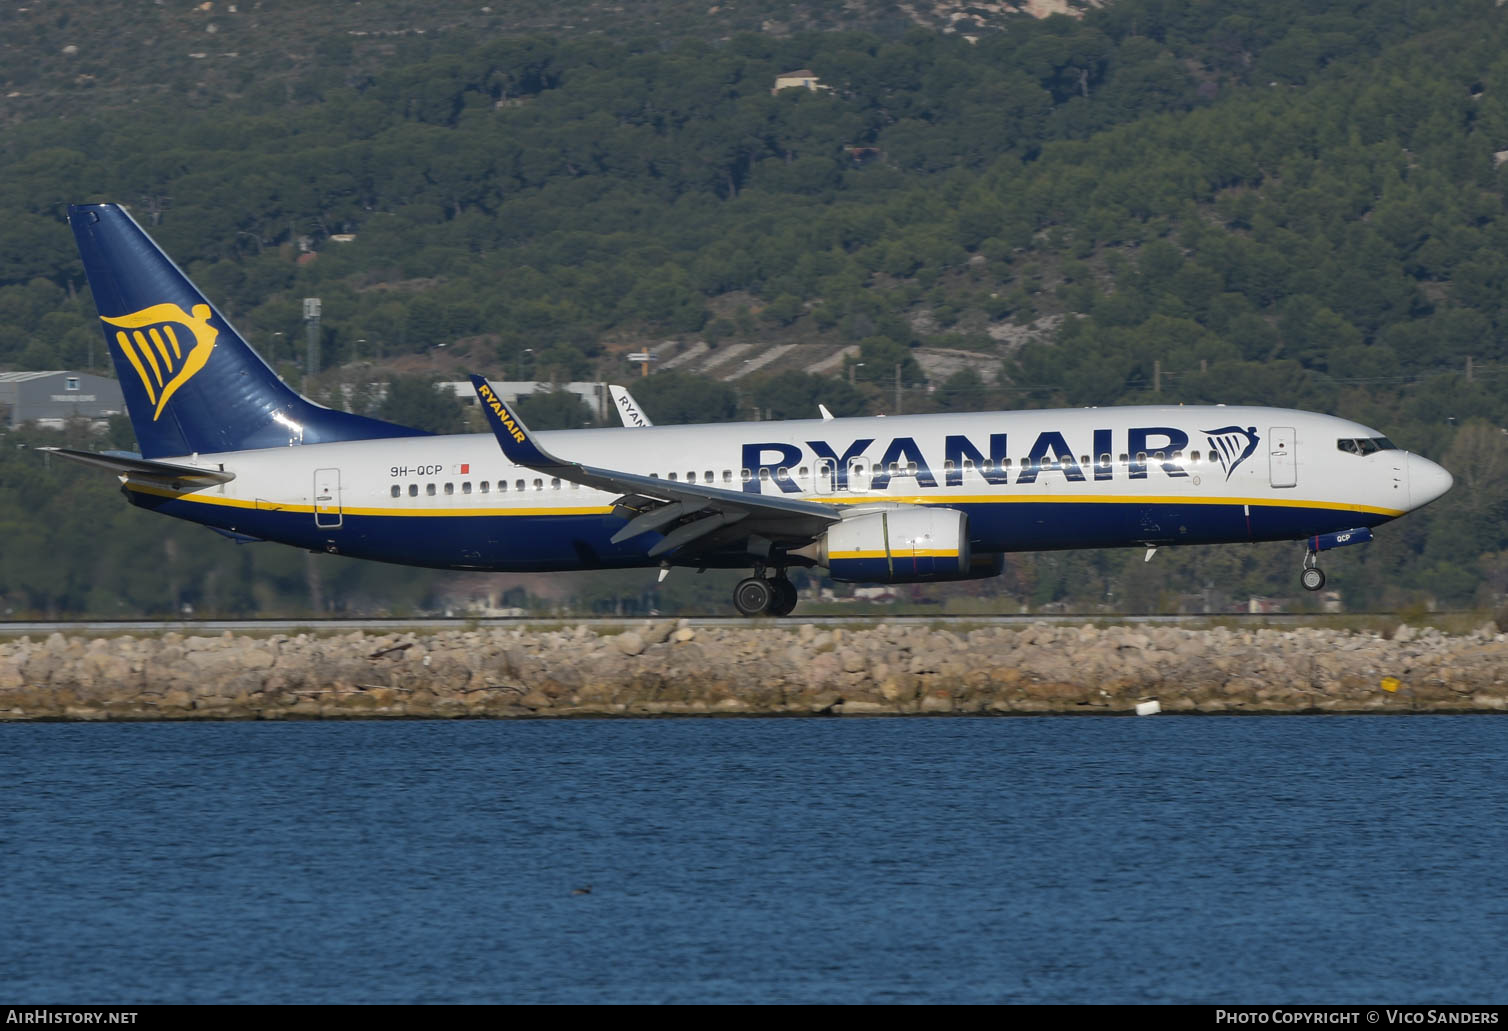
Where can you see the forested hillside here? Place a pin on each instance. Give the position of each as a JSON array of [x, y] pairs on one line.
[[1293, 203]]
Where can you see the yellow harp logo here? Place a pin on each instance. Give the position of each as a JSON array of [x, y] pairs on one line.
[[160, 358]]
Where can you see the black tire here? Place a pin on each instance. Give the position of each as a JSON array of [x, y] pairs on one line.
[[754, 596], [1313, 579], [786, 597]]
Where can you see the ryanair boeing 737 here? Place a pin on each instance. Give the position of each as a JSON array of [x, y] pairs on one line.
[[905, 499]]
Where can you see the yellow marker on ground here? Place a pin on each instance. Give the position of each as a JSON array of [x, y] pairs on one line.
[[1391, 683]]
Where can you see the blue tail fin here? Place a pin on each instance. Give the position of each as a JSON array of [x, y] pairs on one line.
[[192, 385]]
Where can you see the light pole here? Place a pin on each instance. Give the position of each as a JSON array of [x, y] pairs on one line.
[[852, 369]]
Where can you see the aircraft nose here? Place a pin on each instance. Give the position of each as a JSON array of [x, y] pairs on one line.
[[1427, 481]]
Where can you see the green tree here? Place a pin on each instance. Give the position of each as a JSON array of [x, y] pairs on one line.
[[422, 404]]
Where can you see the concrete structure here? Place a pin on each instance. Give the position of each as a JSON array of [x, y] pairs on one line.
[[52, 398], [801, 78]]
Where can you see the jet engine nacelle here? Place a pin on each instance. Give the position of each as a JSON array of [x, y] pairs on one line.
[[902, 545]]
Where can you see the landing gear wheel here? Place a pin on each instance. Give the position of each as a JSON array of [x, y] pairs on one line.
[[1312, 578], [754, 596], [785, 597]]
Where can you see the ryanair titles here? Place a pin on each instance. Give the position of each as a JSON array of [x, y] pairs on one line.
[[1143, 447], [491, 400]]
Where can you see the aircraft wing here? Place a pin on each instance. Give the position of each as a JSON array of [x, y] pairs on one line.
[[178, 477], [693, 517]]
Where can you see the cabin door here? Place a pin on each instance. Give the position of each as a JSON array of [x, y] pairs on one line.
[[327, 498], [1281, 463]]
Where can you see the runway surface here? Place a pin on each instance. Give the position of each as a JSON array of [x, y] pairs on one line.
[[388, 625]]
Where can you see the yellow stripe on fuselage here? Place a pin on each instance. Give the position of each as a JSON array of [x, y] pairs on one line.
[[1105, 499], [915, 499]]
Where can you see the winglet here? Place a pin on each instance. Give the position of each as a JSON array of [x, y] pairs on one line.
[[512, 435], [628, 409]]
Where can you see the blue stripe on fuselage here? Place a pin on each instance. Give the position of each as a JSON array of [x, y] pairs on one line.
[[543, 543]]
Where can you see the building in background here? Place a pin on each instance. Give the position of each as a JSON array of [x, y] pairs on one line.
[[593, 395], [52, 398]]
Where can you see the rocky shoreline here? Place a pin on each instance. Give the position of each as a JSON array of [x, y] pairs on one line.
[[667, 668]]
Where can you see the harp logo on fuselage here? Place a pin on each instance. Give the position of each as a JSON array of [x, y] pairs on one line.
[[163, 357], [1232, 445]]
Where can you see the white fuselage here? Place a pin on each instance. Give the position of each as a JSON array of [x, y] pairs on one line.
[[1029, 480]]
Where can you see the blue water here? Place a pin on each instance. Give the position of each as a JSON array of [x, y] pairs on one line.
[[1172, 859]]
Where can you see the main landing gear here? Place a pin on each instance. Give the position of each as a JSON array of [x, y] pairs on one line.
[[759, 596], [1313, 577]]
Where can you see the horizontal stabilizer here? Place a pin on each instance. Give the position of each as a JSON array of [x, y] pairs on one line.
[[177, 476]]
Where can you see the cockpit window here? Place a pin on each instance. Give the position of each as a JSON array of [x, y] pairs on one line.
[[1365, 445]]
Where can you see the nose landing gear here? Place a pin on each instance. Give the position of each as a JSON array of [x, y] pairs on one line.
[[1313, 577], [758, 596]]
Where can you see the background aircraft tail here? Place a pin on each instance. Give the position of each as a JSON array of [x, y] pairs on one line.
[[192, 384]]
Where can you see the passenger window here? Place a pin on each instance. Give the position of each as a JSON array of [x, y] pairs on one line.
[[1083, 459], [397, 490], [707, 477], [483, 486], [1178, 456], [450, 488], [539, 484], [466, 487], [429, 488], [413, 490], [764, 476], [502, 486], [745, 475], [1125, 459], [727, 475], [803, 472], [672, 476], [1194, 457], [1104, 461], [518, 484], [948, 466], [555, 483]]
